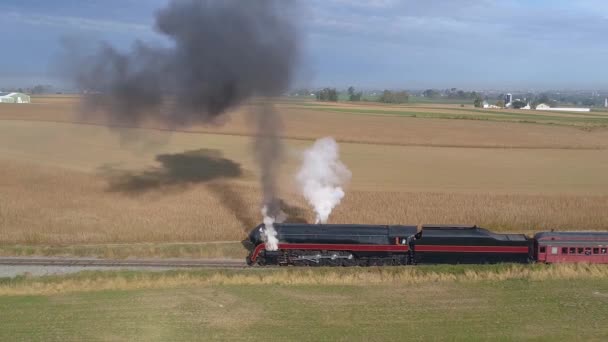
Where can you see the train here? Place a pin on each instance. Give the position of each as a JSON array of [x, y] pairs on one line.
[[302, 244]]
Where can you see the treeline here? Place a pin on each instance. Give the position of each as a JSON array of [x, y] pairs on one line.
[[394, 97], [478, 99], [399, 96], [331, 94], [327, 94], [452, 93], [37, 89], [387, 96]]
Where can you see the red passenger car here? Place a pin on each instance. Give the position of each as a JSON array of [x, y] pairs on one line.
[[571, 247]]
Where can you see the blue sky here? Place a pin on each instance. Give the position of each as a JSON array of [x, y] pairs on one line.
[[470, 44]]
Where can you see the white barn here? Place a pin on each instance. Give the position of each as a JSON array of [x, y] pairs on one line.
[[14, 98], [543, 106]]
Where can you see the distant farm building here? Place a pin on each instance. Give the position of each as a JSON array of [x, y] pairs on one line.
[[487, 105], [508, 100], [543, 106], [14, 98]]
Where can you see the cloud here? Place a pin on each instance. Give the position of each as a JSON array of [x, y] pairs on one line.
[[379, 41], [369, 4], [459, 41], [470, 17], [79, 23]]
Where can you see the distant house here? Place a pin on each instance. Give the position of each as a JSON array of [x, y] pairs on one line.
[[14, 98]]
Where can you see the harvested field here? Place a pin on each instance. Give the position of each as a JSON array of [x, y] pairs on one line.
[[310, 120], [63, 183]]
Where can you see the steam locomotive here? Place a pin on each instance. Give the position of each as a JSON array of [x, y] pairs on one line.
[[378, 245]]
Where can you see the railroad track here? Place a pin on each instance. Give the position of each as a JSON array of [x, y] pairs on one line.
[[93, 262]]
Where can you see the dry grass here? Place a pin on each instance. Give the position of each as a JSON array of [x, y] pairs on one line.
[[57, 206], [97, 281], [193, 250], [499, 212]]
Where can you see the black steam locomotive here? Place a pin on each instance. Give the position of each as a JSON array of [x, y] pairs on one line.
[[377, 245]]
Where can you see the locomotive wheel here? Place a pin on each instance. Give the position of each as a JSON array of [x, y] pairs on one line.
[[350, 262], [261, 259], [377, 262], [363, 262], [334, 263]]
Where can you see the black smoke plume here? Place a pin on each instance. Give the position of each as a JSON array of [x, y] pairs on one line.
[[223, 53]]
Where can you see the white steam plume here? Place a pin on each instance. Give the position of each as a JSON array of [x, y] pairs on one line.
[[322, 176], [269, 233]]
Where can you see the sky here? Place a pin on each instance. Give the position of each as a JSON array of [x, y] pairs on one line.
[[397, 44]]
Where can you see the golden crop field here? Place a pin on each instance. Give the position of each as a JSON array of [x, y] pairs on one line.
[[69, 179]]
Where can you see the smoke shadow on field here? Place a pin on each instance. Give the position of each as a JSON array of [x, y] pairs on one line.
[[175, 170], [232, 200], [204, 166]]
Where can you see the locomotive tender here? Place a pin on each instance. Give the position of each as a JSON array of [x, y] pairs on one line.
[[376, 245]]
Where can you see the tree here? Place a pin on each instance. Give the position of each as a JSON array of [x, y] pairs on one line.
[[394, 97], [500, 103], [352, 96], [542, 98], [461, 94], [517, 104], [478, 103], [333, 95], [40, 89], [431, 93], [328, 94], [588, 102]]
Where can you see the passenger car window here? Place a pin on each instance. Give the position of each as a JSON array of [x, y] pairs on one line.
[[564, 250]]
